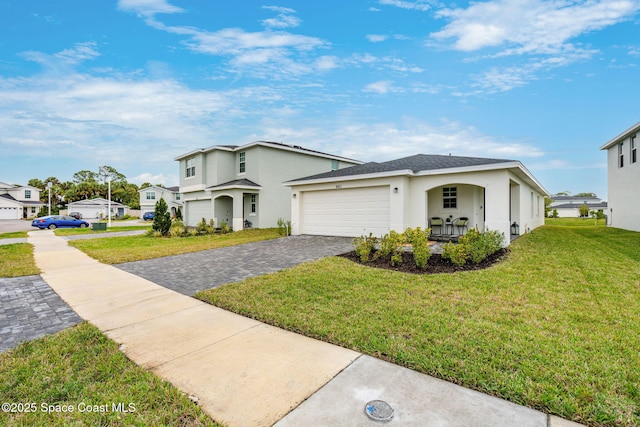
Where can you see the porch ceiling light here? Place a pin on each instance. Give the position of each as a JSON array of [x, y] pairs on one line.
[[395, 189]]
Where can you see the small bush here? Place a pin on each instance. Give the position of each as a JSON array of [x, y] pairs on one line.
[[225, 228], [363, 246], [457, 254], [391, 245], [178, 229], [284, 227], [474, 247], [204, 228], [419, 240]]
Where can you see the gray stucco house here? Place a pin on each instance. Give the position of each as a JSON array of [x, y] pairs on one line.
[[149, 196], [243, 185], [19, 201]]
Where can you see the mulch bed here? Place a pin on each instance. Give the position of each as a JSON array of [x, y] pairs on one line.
[[436, 263]]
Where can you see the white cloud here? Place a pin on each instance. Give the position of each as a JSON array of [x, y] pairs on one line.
[[381, 87], [421, 5], [148, 7], [529, 26], [285, 18], [154, 179], [376, 38]]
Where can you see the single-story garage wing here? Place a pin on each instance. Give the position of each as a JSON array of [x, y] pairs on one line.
[[492, 194]]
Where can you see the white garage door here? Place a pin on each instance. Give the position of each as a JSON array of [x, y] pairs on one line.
[[198, 209], [347, 212], [9, 213]]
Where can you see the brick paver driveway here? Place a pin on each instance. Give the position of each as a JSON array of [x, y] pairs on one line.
[[30, 309], [190, 273]]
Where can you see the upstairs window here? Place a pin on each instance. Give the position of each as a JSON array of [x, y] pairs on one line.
[[27, 194], [633, 149], [243, 165], [177, 196], [190, 167], [334, 165], [449, 197], [621, 155], [151, 195]]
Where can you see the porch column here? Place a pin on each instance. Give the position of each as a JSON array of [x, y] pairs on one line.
[[497, 209], [238, 206]]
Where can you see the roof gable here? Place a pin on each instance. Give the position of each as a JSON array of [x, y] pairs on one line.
[[633, 129]]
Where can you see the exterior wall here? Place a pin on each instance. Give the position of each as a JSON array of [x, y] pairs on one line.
[[624, 192], [530, 213]]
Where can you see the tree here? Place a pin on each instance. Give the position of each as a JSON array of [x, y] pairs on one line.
[[584, 211], [85, 176], [585, 195], [161, 218]]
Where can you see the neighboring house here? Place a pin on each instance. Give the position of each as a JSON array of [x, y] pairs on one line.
[[97, 208], [569, 206], [408, 192], [242, 185], [149, 196], [19, 201], [623, 172]]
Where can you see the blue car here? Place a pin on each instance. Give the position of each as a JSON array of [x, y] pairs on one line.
[[58, 221], [148, 216]]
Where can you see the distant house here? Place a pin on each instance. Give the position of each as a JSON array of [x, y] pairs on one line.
[[242, 185], [569, 206], [97, 208], [623, 173], [149, 196], [419, 191], [19, 201]]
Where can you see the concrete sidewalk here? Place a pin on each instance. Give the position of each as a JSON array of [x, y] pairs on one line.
[[246, 373]]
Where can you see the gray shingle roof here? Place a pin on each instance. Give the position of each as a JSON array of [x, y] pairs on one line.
[[415, 163], [236, 182]]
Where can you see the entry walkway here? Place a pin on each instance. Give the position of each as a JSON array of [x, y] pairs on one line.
[[245, 373]]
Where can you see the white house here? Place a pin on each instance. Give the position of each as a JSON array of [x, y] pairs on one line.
[[149, 196], [97, 208], [623, 173], [242, 185], [569, 206], [492, 194], [19, 201]]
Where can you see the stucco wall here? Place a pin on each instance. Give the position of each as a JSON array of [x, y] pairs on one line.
[[624, 192]]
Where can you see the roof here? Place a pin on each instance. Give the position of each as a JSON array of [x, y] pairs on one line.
[[23, 202], [236, 183], [633, 129], [271, 144], [577, 205], [416, 163], [95, 202], [174, 189], [559, 198], [423, 164]]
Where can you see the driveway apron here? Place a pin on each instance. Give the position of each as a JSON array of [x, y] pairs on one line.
[[193, 272]]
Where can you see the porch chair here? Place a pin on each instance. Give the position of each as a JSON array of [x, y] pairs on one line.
[[462, 224], [435, 222]]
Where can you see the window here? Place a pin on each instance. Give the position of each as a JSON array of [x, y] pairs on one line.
[[177, 196], [253, 203], [33, 210], [151, 195], [449, 197], [633, 149], [27, 194], [242, 163], [190, 167], [335, 165], [621, 155]]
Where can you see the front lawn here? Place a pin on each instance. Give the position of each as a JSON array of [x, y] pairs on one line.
[[82, 374], [17, 260], [14, 235], [555, 326], [89, 230], [115, 250]]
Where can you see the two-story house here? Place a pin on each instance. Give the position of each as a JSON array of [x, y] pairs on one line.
[[149, 196], [569, 206], [623, 173], [19, 201], [243, 185]]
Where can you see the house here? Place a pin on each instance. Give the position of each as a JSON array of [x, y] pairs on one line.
[[97, 208], [623, 173], [242, 185], [375, 198], [569, 206], [149, 196], [19, 201]]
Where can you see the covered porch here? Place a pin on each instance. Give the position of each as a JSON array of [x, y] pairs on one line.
[[235, 203]]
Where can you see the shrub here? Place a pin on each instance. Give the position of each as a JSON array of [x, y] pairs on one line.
[[161, 218], [284, 227], [391, 245], [363, 246], [419, 240], [473, 246], [225, 228], [457, 254], [203, 228], [178, 229]]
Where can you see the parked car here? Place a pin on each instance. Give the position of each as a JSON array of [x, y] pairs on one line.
[[76, 215], [148, 216], [58, 221]]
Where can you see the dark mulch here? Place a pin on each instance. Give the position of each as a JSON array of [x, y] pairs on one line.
[[436, 263]]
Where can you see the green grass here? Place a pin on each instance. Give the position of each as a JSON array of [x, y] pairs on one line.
[[14, 235], [89, 230], [576, 222], [81, 368], [555, 326], [134, 248], [17, 260]]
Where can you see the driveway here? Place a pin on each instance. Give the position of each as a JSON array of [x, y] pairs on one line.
[[30, 309], [193, 272]]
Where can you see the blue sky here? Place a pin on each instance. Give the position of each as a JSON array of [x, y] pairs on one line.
[[134, 83]]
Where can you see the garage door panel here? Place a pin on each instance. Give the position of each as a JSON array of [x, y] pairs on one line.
[[346, 212], [9, 213], [197, 210]]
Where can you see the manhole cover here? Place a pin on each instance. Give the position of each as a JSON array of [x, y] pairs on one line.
[[378, 410]]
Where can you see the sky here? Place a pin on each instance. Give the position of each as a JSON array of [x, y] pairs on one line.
[[134, 83]]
